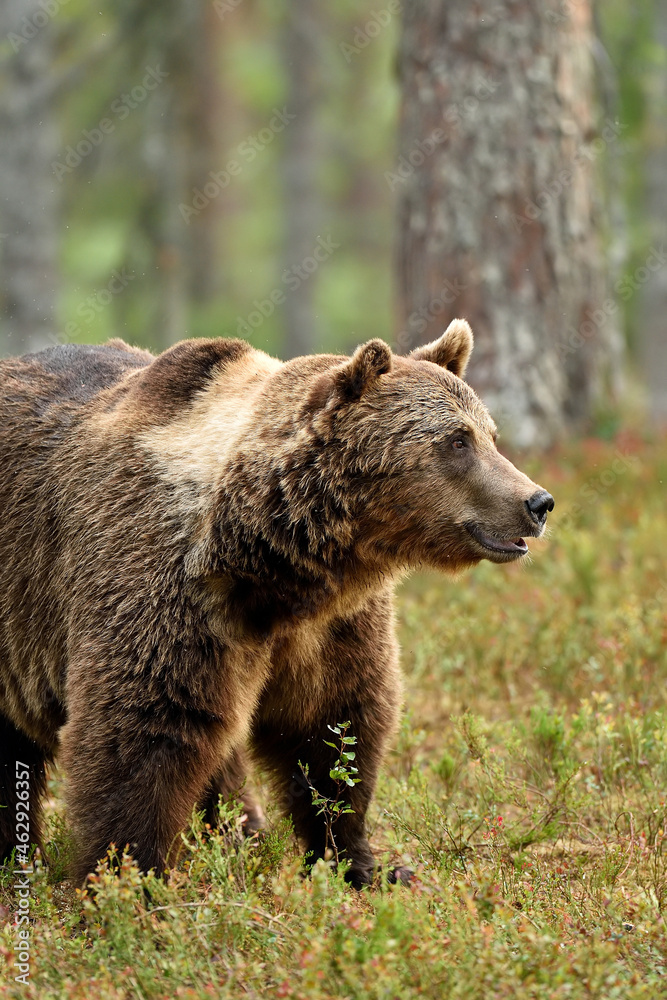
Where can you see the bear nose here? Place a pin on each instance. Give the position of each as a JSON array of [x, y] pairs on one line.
[[539, 505]]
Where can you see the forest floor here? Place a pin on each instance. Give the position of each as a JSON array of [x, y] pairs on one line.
[[527, 790]]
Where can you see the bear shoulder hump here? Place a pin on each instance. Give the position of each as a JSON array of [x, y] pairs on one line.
[[177, 375]]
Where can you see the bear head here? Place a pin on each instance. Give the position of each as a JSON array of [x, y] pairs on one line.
[[416, 449]]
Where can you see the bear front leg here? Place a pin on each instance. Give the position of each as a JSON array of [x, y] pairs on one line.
[[351, 675], [230, 782], [282, 752], [131, 786]]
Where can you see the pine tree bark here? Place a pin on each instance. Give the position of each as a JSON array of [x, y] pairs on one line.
[[29, 193], [498, 218]]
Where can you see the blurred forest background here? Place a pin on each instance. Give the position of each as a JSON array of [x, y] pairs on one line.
[[308, 175]]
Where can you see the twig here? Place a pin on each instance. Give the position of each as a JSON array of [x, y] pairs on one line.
[[632, 841], [227, 902]]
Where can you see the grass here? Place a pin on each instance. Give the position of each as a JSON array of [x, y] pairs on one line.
[[527, 789]]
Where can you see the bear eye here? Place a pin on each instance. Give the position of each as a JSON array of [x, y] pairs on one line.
[[458, 443]]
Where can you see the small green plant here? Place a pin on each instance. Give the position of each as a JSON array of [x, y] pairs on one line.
[[60, 848], [343, 775]]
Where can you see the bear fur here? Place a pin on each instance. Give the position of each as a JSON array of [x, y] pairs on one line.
[[199, 553]]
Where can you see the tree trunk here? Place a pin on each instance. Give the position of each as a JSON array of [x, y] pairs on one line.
[[497, 213], [302, 209], [653, 274], [29, 192], [181, 147]]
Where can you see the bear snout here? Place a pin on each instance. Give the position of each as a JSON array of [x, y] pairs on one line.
[[539, 505]]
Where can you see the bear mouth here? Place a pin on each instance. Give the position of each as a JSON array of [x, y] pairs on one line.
[[512, 548]]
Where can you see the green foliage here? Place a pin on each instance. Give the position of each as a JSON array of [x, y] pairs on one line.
[[342, 774], [634, 59], [527, 791], [121, 204]]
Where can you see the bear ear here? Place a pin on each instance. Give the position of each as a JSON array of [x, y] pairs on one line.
[[450, 351], [364, 367]]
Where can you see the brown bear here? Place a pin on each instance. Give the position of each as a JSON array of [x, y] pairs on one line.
[[199, 553]]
